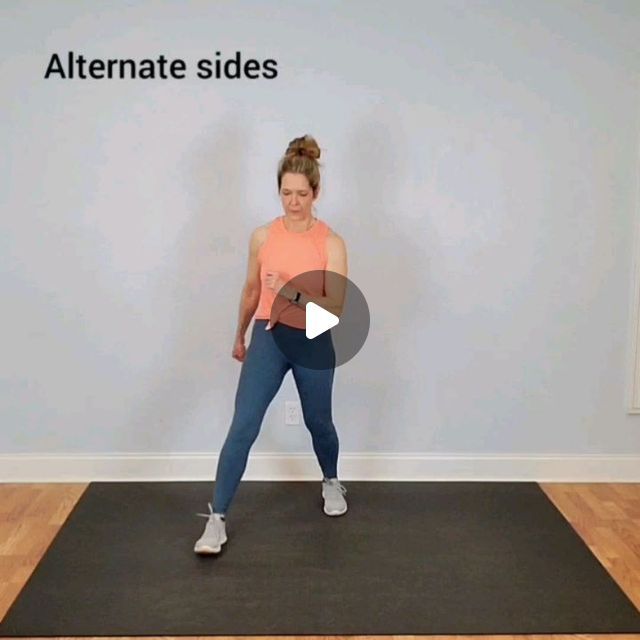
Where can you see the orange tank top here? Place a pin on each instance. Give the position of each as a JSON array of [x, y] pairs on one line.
[[291, 254]]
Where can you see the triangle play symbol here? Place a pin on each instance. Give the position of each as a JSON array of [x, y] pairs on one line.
[[318, 320]]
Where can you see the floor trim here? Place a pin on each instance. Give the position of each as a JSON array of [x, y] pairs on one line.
[[351, 466]]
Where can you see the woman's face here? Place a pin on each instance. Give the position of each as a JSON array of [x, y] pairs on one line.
[[296, 196]]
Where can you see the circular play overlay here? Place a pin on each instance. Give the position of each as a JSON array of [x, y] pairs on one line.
[[317, 335]]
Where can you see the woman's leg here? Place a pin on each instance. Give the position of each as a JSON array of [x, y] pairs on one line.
[[314, 388], [262, 372]]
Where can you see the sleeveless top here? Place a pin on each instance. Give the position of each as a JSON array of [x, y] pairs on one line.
[[291, 254]]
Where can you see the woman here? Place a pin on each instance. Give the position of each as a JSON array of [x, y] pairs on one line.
[[291, 244]]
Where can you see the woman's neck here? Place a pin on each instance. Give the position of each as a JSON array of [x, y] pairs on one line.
[[298, 226]]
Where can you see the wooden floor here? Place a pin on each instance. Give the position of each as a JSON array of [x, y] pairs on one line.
[[606, 516]]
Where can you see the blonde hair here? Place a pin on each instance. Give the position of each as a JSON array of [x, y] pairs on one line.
[[301, 156]]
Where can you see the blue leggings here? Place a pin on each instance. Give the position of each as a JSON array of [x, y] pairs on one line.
[[262, 372]]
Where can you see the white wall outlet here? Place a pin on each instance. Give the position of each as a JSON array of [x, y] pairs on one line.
[[292, 412]]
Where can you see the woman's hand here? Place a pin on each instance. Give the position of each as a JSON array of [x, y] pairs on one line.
[[239, 350], [274, 282]]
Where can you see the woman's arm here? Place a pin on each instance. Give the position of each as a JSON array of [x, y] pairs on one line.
[[335, 288], [251, 291]]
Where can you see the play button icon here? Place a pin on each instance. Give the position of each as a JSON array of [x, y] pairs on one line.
[[327, 328], [318, 320]]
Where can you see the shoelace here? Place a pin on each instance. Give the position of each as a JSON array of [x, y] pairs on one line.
[[207, 515], [337, 485]]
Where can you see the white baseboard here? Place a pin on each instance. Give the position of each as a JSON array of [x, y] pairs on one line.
[[351, 466]]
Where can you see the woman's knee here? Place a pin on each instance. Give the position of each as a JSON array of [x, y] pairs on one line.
[[322, 427]]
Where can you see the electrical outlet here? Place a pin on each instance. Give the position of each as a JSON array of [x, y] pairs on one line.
[[291, 412]]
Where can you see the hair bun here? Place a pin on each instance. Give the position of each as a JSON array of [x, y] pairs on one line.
[[304, 146]]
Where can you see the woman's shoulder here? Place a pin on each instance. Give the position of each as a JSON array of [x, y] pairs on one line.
[[333, 237], [335, 247], [260, 233], [259, 236]]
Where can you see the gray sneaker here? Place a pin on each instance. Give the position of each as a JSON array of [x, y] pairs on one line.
[[214, 536], [333, 493]]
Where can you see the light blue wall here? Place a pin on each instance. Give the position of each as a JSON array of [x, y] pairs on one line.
[[479, 159]]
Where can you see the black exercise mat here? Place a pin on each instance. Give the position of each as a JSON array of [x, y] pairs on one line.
[[412, 558]]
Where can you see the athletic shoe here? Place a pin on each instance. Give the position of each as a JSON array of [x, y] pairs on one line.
[[214, 536], [333, 493]]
